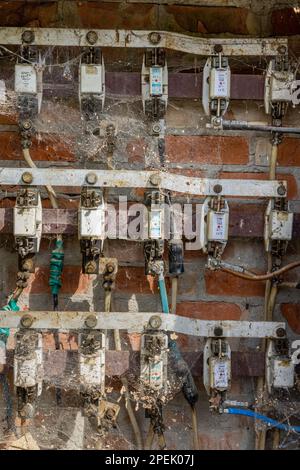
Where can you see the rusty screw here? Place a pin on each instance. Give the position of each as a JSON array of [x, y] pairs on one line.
[[92, 37], [26, 321], [110, 414], [27, 264], [91, 267], [110, 268], [281, 50], [154, 37], [281, 190], [27, 124], [155, 179], [91, 178], [27, 177], [91, 321], [217, 188], [28, 36], [155, 322], [218, 331], [280, 332], [218, 48]]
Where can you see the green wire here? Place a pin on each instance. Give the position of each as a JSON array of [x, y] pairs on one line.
[[56, 267]]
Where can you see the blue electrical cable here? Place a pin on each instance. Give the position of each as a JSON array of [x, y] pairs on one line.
[[163, 294], [271, 422]]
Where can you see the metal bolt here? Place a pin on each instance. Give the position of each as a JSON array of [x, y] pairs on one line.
[[156, 128], [154, 37], [218, 331], [26, 321], [91, 267], [91, 321], [92, 37], [155, 322], [281, 190], [110, 413], [217, 188], [27, 124], [218, 48], [155, 179], [281, 50], [110, 268], [91, 178], [27, 177], [280, 332], [28, 36], [27, 264]]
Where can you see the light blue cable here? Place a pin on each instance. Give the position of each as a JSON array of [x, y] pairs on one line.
[[269, 421], [163, 294]]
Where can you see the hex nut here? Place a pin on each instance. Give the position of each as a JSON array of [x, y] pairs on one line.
[[154, 37], [156, 128], [91, 178], [27, 177], [281, 49], [27, 124], [91, 321], [218, 48], [281, 190], [26, 321], [27, 264], [280, 332], [91, 267], [217, 188], [110, 268], [92, 37], [28, 36], [155, 179], [155, 322], [218, 331]]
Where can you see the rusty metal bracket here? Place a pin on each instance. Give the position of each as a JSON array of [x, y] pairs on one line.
[[139, 322], [143, 39], [144, 179]]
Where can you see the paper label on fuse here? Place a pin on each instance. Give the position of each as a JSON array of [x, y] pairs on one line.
[[221, 375], [156, 372], [221, 88], [156, 81], [219, 226], [155, 224]]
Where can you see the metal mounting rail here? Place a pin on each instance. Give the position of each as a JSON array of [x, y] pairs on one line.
[[139, 321], [142, 39], [142, 179]]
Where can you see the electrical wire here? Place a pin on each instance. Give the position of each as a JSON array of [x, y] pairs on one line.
[[189, 388], [261, 277], [118, 347], [269, 421]]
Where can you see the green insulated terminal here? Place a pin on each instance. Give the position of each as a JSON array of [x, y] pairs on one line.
[[56, 267], [10, 307]]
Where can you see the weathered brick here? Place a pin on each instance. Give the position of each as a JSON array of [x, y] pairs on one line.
[[292, 193], [67, 341], [289, 152], [285, 22], [223, 284], [73, 281], [215, 20], [207, 149], [136, 150], [111, 15], [209, 310], [134, 280], [49, 148], [292, 314]]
